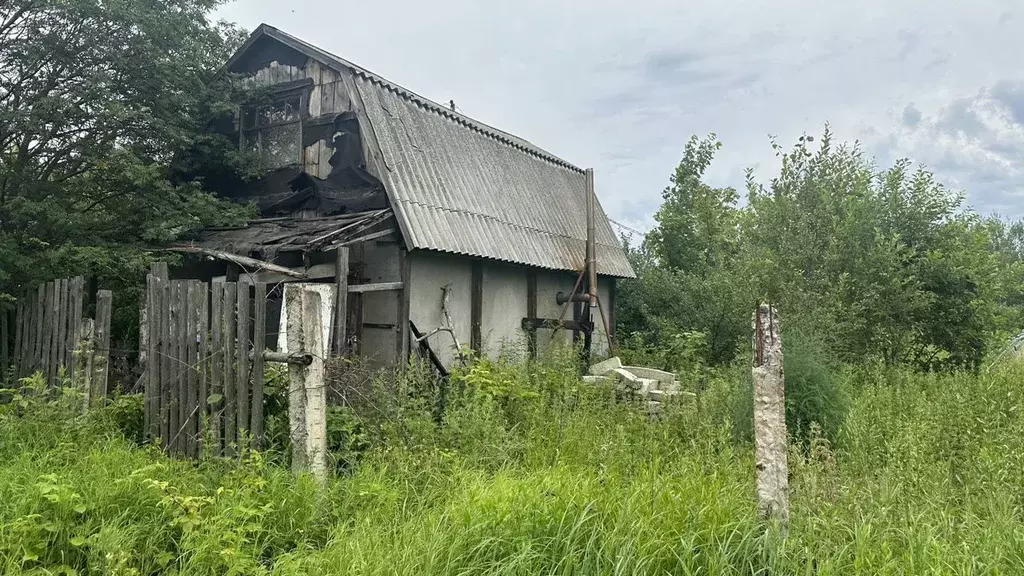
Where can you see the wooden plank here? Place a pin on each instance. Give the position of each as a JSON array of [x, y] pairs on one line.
[[39, 336], [531, 311], [176, 384], [70, 342], [242, 363], [203, 351], [380, 234], [49, 305], [189, 359], [402, 312], [69, 329], [77, 306], [549, 324], [230, 417], [216, 407], [374, 287], [150, 364], [160, 270], [476, 308], [338, 346], [184, 366], [259, 340], [101, 346], [60, 334], [166, 362]]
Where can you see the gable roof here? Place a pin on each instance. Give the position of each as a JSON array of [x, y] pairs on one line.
[[458, 185]]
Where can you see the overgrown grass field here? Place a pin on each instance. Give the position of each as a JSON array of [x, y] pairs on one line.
[[532, 473]]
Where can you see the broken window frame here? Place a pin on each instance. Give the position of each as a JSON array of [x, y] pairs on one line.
[[252, 129]]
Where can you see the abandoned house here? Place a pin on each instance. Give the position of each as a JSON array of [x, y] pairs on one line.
[[440, 229]]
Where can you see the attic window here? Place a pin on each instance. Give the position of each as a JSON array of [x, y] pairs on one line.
[[274, 131]]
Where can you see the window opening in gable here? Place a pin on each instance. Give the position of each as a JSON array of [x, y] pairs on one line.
[[274, 131]]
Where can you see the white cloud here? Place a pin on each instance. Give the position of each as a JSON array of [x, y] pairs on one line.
[[621, 87]]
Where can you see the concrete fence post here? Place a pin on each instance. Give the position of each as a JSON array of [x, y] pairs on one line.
[[770, 435], [307, 395]]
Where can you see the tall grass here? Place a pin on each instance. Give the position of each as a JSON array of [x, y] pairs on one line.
[[532, 473]]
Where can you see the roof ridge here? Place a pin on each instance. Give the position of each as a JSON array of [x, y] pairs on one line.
[[496, 133]]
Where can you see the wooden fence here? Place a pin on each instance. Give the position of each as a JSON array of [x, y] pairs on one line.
[[51, 335], [204, 347]]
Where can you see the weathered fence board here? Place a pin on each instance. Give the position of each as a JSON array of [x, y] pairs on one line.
[[101, 340], [259, 340], [242, 353], [206, 368], [47, 328], [216, 401], [230, 409]]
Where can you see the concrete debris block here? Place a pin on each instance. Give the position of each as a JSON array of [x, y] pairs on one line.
[[657, 395], [609, 365], [626, 378], [653, 374], [595, 379], [653, 407], [647, 386], [671, 388]]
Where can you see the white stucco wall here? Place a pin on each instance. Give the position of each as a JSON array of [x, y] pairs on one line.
[[504, 303], [429, 272]]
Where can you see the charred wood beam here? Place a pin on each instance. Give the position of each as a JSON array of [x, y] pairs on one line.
[[532, 324]]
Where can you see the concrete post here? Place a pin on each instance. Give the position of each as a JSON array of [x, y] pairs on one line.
[[307, 396], [770, 434]]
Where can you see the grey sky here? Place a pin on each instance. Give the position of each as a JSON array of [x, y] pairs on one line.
[[621, 86]]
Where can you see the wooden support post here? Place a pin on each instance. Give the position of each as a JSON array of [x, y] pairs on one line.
[[307, 398], [531, 312], [402, 312], [230, 408], [770, 434], [476, 307], [259, 341], [611, 317], [101, 349], [242, 355], [339, 333]]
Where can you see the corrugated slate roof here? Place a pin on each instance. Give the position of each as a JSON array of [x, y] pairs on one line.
[[457, 185]]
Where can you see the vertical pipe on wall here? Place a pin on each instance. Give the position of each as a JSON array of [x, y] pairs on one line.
[[591, 242]]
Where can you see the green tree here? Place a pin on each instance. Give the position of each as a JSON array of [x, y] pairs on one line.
[[688, 282], [96, 99]]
